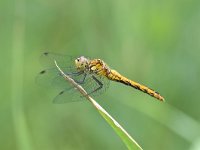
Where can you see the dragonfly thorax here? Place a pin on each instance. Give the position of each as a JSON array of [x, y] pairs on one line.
[[81, 63]]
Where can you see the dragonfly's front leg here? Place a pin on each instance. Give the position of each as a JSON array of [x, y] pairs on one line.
[[74, 73], [71, 74], [83, 80]]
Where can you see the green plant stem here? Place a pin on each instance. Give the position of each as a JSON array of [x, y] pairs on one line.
[[19, 122], [125, 137]]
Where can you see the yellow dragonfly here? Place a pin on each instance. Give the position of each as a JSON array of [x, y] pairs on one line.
[[92, 74]]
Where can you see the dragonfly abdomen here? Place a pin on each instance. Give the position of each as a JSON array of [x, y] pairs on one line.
[[115, 76]]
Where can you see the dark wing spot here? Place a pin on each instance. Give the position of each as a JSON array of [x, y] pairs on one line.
[[46, 53], [43, 71], [61, 92]]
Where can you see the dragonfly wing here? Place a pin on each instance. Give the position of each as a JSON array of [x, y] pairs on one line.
[[47, 60], [46, 76], [89, 84], [68, 95], [52, 77]]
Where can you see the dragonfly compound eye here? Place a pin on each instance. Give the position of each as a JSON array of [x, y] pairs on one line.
[[81, 63]]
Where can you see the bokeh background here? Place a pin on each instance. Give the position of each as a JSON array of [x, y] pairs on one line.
[[153, 42]]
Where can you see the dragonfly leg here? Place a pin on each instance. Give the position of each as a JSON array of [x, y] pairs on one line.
[[83, 80], [98, 82], [74, 73], [71, 74]]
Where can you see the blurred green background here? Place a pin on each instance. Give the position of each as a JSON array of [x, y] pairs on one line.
[[153, 42]]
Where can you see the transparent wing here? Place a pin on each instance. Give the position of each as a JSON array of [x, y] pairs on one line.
[[63, 61], [89, 84], [51, 77], [68, 95]]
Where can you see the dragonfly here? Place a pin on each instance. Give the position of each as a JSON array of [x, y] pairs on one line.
[[94, 75]]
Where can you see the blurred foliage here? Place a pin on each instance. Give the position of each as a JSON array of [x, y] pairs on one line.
[[154, 42]]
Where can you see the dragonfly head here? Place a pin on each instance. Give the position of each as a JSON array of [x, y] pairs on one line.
[[81, 63]]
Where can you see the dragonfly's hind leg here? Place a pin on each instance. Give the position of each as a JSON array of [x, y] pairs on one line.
[[98, 82]]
